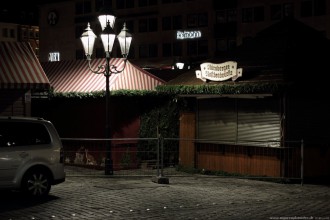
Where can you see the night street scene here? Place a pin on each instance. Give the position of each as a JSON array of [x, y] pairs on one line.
[[164, 109]]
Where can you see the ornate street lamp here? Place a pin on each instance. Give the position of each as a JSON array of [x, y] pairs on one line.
[[108, 38]]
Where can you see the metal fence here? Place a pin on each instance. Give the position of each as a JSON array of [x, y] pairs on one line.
[[182, 157], [134, 157]]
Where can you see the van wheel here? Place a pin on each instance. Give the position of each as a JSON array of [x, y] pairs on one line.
[[36, 183]]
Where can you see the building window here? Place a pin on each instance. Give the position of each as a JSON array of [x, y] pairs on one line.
[[197, 48], [278, 11], [83, 7], [129, 3], [31, 33], [313, 8], [167, 23], [150, 50], [255, 14], [153, 2], [143, 51], [177, 49], [225, 16], [221, 16], [170, 1], [100, 4], [192, 20], [122, 4], [203, 47], [12, 33], [197, 20], [221, 45], [5, 32], [177, 22], [247, 15], [288, 10], [232, 44], [225, 44], [153, 24], [53, 56], [202, 20], [143, 25], [259, 14], [144, 3], [153, 50], [25, 34], [232, 15], [192, 49], [167, 49], [170, 23], [146, 25]]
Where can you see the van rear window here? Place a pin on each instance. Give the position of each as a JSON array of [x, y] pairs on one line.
[[22, 134]]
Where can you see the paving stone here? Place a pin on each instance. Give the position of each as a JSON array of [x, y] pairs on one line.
[[195, 197]]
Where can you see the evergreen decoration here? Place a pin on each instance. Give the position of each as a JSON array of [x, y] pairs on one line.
[[237, 88], [100, 94]]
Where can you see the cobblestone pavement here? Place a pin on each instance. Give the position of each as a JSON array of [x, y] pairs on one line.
[[195, 197]]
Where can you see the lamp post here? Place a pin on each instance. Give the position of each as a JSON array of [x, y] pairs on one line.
[[108, 38]]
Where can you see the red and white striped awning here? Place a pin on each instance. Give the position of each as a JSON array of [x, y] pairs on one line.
[[75, 76], [20, 68]]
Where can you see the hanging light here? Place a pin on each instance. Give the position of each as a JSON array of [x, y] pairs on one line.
[[108, 38], [105, 19], [125, 39], [88, 40]]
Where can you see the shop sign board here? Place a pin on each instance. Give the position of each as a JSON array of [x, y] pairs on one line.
[[219, 71]]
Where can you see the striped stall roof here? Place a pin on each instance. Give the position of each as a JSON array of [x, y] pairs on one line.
[[20, 68], [75, 76]]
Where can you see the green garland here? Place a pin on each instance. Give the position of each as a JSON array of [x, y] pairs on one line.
[[241, 88], [237, 88], [100, 94]]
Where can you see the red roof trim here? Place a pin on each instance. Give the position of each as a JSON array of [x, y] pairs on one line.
[[20, 67]]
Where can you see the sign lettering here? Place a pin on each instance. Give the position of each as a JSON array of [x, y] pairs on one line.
[[180, 35], [219, 72]]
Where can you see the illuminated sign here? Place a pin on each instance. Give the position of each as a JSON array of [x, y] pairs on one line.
[[181, 35], [219, 72], [54, 56]]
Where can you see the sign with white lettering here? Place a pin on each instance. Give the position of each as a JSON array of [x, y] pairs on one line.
[[219, 72], [181, 35]]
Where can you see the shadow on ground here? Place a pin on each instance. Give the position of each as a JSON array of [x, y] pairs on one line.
[[14, 200]]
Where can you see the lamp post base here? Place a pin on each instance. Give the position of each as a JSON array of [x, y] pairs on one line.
[[160, 180], [108, 167]]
